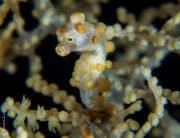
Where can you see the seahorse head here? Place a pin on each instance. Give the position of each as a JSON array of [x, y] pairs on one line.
[[76, 36]]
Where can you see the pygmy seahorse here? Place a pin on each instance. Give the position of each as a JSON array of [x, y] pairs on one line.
[[88, 38]]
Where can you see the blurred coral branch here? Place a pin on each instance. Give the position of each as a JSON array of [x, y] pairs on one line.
[[114, 60]]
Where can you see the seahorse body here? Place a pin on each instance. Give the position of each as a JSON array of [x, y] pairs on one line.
[[79, 35]]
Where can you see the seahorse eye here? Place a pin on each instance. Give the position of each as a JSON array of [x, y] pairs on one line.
[[70, 39]]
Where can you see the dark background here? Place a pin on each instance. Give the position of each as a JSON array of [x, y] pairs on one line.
[[59, 69]]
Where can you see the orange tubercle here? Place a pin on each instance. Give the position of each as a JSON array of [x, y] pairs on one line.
[[77, 18], [87, 62], [58, 51], [59, 31], [81, 29], [100, 67], [84, 71], [101, 28], [90, 85], [92, 75], [108, 64], [72, 82], [62, 50], [109, 46], [76, 74], [78, 61], [86, 77], [77, 80], [95, 40], [76, 67], [92, 66]]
